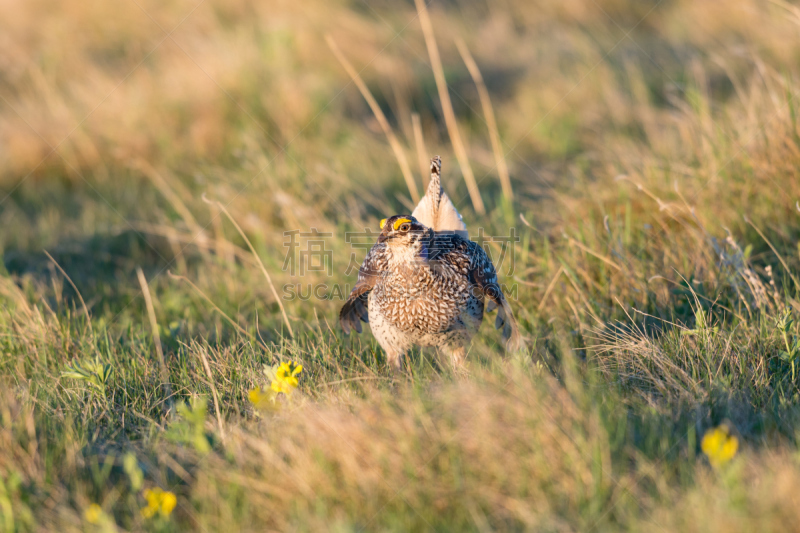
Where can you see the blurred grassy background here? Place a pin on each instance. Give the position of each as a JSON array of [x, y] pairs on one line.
[[653, 151]]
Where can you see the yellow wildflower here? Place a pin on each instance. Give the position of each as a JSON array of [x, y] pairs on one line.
[[255, 396], [261, 399], [286, 377], [719, 445], [93, 514], [159, 501]]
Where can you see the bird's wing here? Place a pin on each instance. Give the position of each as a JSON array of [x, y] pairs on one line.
[[435, 210], [355, 309], [483, 274]]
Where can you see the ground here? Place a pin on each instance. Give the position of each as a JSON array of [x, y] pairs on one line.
[[156, 157]]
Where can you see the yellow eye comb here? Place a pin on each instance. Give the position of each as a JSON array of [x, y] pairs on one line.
[[400, 221], [397, 223]]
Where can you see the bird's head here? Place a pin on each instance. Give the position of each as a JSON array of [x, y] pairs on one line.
[[404, 233]]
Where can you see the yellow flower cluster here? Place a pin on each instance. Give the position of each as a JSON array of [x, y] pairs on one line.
[[719, 445], [284, 380], [286, 377], [261, 399], [158, 501], [93, 514]]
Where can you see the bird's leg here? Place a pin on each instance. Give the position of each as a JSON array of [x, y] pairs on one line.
[[395, 359], [457, 356]]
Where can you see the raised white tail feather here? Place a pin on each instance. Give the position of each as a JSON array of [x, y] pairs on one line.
[[435, 210]]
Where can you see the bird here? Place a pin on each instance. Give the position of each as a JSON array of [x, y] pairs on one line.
[[424, 283]]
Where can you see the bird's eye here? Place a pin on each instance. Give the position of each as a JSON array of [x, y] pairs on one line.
[[405, 227]]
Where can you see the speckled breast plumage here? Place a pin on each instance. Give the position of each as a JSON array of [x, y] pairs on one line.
[[429, 301]]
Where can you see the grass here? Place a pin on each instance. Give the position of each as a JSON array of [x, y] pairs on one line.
[[652, 150]]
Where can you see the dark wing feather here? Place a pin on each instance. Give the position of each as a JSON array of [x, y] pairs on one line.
[[470, 260], [483, 274], [355, 309]]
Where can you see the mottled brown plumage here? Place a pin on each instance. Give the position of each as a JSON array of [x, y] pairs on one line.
[[418, 286]]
